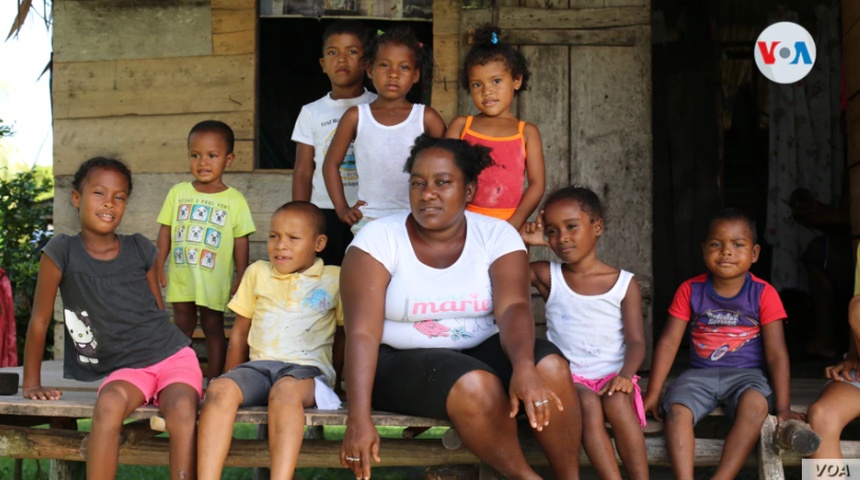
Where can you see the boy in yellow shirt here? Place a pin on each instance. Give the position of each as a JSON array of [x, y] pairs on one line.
[[287, 310]]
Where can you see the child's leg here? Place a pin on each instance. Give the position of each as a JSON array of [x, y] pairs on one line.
[[595, 439], [217, 415], [745, 432], [629, 438], [680, 440], [287, 402], [114, 404], [178, 403], [185, 317], [838, 404], [561, 439], [212, 322]]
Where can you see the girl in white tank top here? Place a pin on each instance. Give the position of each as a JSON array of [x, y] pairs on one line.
[[594, 315], [383, 131]]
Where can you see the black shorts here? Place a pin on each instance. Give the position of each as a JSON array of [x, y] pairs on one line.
[[417, 382]]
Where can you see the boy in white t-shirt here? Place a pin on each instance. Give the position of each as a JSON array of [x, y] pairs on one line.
[[287, 309], [343, 49]]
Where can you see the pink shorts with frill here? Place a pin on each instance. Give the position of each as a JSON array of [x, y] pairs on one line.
[[596, 385]]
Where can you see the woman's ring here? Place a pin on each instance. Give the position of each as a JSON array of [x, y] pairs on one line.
[[352, 459], [537, 404]]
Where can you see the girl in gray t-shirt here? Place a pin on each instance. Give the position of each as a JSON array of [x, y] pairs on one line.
[[116, 325]]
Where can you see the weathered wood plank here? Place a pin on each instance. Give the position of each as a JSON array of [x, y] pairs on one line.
[[445, 85], [611, 146], [851, 41], [852, 120], [446, 44], [158, 145], [469, 20], [234, 43], [608, 3], [233, 4], [153, 86], [850, 19], [769, 463], [547, 104], [228, 21], [105, 30], [20, 442], [602, 37], [854, 187], [541, 18]]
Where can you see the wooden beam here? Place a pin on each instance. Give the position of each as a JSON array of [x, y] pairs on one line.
[[512, 18], [599, 37], [20, 442]]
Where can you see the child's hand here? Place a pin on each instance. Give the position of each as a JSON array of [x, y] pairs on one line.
[[618, 383], [652, 405], [161, 277], [41, 393], [844, 371], [533, 233], [353, 215], [784, 415]]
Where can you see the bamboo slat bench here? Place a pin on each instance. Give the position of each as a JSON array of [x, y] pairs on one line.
[[141, 446]]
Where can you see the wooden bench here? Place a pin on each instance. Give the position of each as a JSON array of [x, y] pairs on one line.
[[140, 445]]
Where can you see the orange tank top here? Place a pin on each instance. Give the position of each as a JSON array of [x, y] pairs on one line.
[[500, 186]]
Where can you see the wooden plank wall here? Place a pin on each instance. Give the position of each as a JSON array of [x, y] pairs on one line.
[[590, 96], [851, 57], [131, 78]]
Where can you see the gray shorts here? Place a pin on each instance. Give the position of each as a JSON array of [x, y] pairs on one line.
[[255, 378], [704, 389]]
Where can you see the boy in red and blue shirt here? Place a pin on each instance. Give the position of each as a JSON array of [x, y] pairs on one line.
[[736, 335]]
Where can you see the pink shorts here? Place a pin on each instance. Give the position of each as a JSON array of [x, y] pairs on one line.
[[596, 385], [181, 367]]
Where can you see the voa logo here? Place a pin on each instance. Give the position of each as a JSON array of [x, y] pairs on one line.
[[784, 52]]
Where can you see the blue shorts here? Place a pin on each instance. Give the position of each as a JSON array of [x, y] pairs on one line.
[[704, 389]]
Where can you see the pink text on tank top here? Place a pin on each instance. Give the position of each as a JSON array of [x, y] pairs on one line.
[[469, 305]]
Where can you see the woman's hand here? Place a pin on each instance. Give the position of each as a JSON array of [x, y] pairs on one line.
[[527, 386], [360, 441], [844, 371], [618, 383]]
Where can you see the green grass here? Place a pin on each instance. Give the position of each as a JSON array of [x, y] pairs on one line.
[[39, 469]]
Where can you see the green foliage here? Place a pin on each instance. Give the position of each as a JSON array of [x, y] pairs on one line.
[[5, 130], [24, 220]]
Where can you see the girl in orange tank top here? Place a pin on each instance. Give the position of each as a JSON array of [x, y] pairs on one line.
[[494, 73]]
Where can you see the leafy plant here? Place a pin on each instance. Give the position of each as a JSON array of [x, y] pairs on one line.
[[24, 222]]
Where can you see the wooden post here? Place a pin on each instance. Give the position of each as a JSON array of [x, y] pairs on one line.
[[796, 436], [60, 470], [262, 473], [770, 461]]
